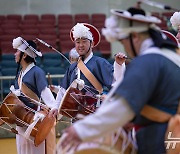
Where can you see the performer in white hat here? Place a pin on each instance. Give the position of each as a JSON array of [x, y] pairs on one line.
[[73, 57], [86, 37], [151, 80], [33, 78]]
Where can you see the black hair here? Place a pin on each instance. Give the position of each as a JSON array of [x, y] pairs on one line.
[[134, 11], [32, 44], [28, 59], [160, 41], [18, 67]]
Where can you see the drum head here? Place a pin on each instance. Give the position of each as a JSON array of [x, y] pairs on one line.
[[98, 150], [44, 129]]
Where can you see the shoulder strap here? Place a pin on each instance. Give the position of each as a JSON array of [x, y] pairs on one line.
[[154, 114], [157, 115], [28, 91], [89, 76]]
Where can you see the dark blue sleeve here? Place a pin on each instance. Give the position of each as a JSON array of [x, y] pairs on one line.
[[65, 81], [105, 73], [69, 77], [139, 82], [40, 79]]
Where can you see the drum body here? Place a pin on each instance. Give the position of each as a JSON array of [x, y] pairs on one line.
[[118, 142], [111, 144], [77, 102], [13, 111]]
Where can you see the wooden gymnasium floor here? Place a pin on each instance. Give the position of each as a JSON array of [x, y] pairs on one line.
[[8, 146]]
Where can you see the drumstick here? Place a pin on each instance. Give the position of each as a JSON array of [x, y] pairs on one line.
[[49, 79], [36, 102], [126, 57]]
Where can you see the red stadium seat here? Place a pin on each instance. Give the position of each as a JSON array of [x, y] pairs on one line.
[[16, 17], [49, 31], [45, 26], [47, 37], [64, 37], [66, 46], [33, 18], [10, 26], [81, 18], [6, 47], [29, 36], [7, 37], [105, 48], [28, 26], [2, 18], [98, 18], [1, 31], [65, 26], [30, 32], [65, 19], [45, 49], [48, 19], [15, 32]]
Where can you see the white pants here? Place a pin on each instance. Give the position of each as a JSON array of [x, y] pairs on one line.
[[25, 146]]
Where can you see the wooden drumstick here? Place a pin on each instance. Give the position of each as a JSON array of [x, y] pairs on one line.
[[126, 57], [49, 79]]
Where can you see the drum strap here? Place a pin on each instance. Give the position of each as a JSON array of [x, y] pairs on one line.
[[157, 115], [28, 91], [89, 76]]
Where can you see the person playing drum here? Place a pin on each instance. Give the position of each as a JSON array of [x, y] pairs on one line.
[[73, 57], [31, 81], [151, 80], [86, 37]]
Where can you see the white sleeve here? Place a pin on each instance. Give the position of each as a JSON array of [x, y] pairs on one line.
[[108, 117], [118, 72], [60, 95], [48, 98]]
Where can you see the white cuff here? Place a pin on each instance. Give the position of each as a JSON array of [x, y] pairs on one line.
[[48, 97], [118, 72]]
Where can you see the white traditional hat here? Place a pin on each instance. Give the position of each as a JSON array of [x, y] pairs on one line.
[[175, 20], [26, 46], [122, 23], [84, 30]]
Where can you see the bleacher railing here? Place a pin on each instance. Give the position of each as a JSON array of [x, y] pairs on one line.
[[11, 78]]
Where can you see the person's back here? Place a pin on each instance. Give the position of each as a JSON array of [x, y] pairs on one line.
[[161, 76]]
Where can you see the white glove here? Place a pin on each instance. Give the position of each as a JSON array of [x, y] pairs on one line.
[[78, 83], [16, 92]]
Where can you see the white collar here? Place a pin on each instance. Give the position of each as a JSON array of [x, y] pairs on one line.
[[147, 48], [88, 58], [145, 45], [24, 72], [27, 69]]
